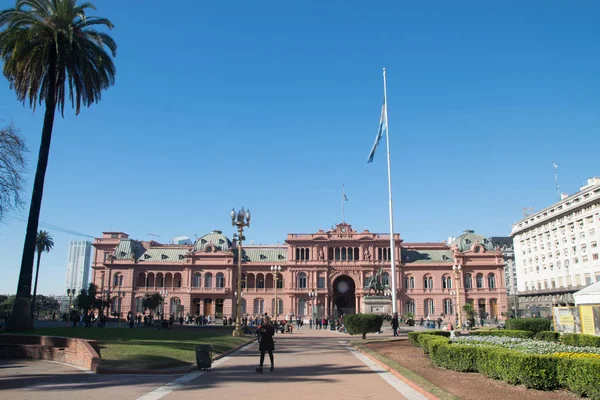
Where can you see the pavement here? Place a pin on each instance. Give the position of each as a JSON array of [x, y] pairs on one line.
[[309, 364]]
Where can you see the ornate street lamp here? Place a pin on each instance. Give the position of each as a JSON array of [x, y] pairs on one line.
[[275, 269], [456, 270], [312, 295], [240, 219], [70, 293], [163, 293], [121, 296]]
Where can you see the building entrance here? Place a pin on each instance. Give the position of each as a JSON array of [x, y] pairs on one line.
[[344, 296]]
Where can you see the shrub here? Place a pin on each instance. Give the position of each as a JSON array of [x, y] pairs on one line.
[[361, 324], [534, 325], [580, 375], [505, 333], [428, 341], [456, 357], [578, 339], [414, 336], [547, 336]]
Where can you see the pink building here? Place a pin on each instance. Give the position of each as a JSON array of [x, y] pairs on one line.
[[334, 265]]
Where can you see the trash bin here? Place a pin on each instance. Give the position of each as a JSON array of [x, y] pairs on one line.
[[204, 356]]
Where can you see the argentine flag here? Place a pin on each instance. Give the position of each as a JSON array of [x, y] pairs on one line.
[[382, 129]]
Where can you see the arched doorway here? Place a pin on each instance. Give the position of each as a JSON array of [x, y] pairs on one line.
[[344, 296]]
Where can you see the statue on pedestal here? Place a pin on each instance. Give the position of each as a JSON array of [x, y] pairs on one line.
[[375, 284]]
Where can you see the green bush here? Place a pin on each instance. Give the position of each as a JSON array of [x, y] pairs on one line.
[[505, 333], [427, 341], [580, 375], [534, 325], [361, 324], [547, 336], [457, 357], [414, 336], [578, 339]]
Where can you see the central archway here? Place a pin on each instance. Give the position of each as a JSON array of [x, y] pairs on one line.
[[344, 296]]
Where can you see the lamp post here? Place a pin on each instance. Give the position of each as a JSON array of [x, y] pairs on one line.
[[312, 295], [239, 219], [121, 296], [456, 270], [163, 293], [276, 269], [70, 293]]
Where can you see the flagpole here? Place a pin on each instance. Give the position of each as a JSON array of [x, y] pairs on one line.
[[343, 193], [392, 240]]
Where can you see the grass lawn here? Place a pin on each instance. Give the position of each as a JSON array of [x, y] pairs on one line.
[[147, 348]]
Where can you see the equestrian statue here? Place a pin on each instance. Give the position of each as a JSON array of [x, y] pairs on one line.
[[375, 284]]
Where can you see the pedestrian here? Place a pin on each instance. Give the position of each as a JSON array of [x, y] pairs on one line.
[[266, 331], [395, 324]]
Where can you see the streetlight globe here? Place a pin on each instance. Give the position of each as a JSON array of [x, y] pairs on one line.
[[232, 214], [248, 215]]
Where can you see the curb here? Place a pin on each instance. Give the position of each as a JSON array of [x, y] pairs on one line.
[[171, 371], [397, 374]]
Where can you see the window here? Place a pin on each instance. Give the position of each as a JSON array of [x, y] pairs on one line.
[[220, 280], [197, 280], [280, 283], [428, 282], [114, 235], [409, 306], [208, 280], [118, 280], [448, 309], [468, 281], [595, 256], [429, 308], [492, 281], [321, 282], [479, 280], [302, 284], [385, 279], [594, 244], [302, 309], [259, 306], [446, 282], [260, 281], [139, 308], [575, 260], [409, 282]]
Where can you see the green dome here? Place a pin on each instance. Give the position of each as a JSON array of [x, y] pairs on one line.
[[217, 239], [469, 238]]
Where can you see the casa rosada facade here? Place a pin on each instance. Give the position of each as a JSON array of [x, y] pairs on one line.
[[334, 266]]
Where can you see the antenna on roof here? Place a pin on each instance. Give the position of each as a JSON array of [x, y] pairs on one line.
[[556, 180]]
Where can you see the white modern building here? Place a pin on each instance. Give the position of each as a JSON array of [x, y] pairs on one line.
[[181, 240], [505, 245], [78, 265], [556, 250]]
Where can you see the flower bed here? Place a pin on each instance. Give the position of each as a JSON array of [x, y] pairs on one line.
[[535, 364], [528, 346]]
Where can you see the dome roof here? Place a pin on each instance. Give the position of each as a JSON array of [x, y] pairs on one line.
[[217, 239], [469, 238]]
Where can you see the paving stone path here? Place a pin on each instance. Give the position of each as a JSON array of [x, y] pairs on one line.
[[309, 364]]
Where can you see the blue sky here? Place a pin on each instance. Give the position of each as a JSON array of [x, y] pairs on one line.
[[273, 105]]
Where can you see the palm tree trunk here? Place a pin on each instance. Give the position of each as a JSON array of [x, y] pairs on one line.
[[37, 272], [21, 318]]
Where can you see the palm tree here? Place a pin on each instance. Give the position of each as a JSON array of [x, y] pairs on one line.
[[51, 49], [43, 243]]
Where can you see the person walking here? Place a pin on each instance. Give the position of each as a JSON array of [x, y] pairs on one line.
[[266, 332], [395, 324]]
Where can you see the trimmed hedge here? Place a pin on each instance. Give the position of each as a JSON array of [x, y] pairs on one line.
[[361, 324], [505, 333], [578, 339], [580, 375], [414, 336], [426, 342], [547, 336], [534, 325]]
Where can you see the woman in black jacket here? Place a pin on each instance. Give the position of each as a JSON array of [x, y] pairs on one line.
[[266, 332]]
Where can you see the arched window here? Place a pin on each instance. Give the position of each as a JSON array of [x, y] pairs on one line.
[[409, 306], [492, 281], [174, 303], [479, 281], [428, 282], [447, 282], [448, 309], [302, 281], [429, 307], [260, 281], [141, 280], [244, 282], [468, 281], [116, 305], [208, 280], [139, 307], [220, 280], [302, 307], [177, 280], [244, 306], [160, 281], [197, 280], [118, 279], [409, 282], [259, 306], [279, 308], [385, 279]]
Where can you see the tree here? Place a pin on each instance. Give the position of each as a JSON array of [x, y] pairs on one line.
[[361, 324], [152, 301], [12, 165], [470, 310], [43, 243], [50, 47], [87, 299]]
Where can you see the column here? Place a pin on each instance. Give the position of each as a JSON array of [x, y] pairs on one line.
[[357, 304], [327, 305]]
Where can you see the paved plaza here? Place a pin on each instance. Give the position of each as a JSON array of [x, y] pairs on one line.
[[309, 364]]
